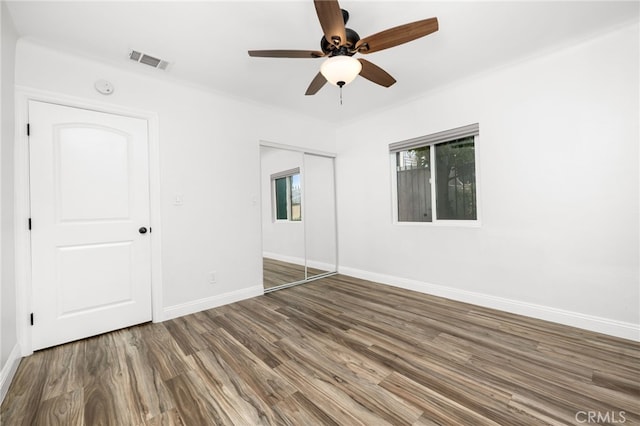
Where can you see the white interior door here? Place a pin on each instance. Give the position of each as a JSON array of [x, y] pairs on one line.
[[91, 265]]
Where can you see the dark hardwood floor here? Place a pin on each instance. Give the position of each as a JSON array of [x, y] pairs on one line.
[[335, 351]]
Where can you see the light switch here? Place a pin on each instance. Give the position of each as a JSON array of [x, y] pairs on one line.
[[177, 200]]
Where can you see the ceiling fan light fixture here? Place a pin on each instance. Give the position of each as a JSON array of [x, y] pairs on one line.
[[340, 70]]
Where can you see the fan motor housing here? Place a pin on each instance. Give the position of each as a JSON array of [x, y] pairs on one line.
[[347, 49]]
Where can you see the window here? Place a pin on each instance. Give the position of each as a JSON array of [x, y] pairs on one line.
[[437, 170], [287, 197]]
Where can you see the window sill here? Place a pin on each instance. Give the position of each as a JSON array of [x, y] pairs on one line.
[[443, 224]]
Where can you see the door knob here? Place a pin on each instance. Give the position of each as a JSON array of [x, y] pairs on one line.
[[142, 230]]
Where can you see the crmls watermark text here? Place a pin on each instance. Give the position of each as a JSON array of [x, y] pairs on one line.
[[598, 417]]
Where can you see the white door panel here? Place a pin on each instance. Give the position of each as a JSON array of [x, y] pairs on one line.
[[91, 268], [97, 284], [97, 188]]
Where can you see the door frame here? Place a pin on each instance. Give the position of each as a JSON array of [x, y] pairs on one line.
[[22, 199]]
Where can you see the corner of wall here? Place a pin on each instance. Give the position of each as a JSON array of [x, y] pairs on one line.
[[8, 351]]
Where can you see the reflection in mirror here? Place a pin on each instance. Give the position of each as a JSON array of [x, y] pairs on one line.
[[320, 215], [288, 197], [283, 247]]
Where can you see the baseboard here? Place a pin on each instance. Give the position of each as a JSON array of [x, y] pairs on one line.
[[323, 266], [284, 258], [8, 371], [611, 327], [194, 306]]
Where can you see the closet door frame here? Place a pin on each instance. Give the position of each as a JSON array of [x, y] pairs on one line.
[[304, 151]]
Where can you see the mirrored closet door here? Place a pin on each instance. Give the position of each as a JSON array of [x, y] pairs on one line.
[[320, 208], [298, 216]]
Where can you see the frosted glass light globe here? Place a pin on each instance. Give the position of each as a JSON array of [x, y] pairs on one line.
[[340, 69]]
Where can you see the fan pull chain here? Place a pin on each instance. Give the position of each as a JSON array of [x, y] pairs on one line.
[[341, 84]]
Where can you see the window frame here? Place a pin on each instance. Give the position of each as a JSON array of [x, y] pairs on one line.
[[433, 140], [288, 175]]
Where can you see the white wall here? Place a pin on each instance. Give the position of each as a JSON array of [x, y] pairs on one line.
[[8, 338], [558, 169], [209, 154]]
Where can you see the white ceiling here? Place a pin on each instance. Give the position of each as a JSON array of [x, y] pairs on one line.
[[207, 42]]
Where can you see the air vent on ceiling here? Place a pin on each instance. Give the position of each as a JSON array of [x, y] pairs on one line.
[[143, 58]]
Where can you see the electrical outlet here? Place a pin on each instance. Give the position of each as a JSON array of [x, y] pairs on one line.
[[212, 277]]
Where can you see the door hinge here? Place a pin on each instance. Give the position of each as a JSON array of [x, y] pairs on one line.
[[29, 224], [28, 129], [31, 318]]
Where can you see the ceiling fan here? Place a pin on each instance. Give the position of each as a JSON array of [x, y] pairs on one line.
[[339, 44]]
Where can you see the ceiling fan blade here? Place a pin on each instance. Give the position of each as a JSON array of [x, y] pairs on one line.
[[331, 21], [376, 74], [397, 35], [286, 53], [316, 84]]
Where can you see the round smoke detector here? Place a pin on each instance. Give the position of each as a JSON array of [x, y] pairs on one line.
[[104, 87]]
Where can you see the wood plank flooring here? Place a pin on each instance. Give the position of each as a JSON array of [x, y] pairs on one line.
[[337, 351], [276, 272]]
